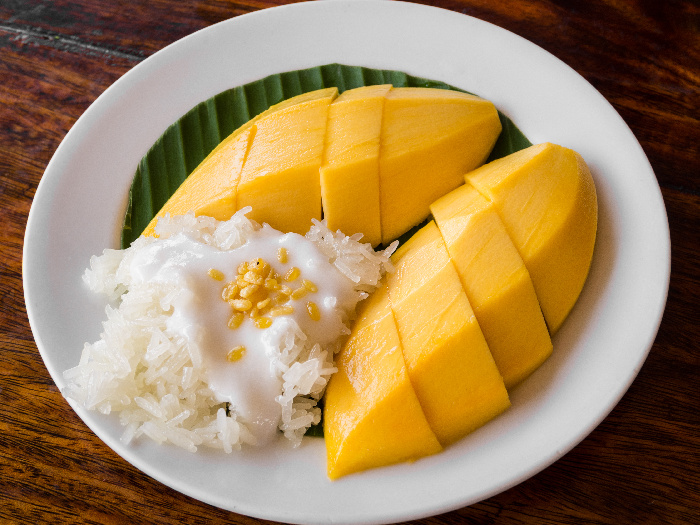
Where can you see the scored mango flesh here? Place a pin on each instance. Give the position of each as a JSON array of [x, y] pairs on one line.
[[430, 139], [350, 170], [475, 271], [372, 415], [356, 159], [496, 282], [546, 197], [448, 360], [279, 179], [211, 189], [476, 293]]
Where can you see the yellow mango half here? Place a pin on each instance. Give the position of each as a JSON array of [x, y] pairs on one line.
[[280, 177], [211, 188], [496, 282], [350, 169], [449, 363], [430, 138], [547, 200], [372, 417]]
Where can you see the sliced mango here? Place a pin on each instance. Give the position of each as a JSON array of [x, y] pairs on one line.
[[388, 152], [350, 170], [280, 179], [430, 138], [496, 282], [547, 200], [372, 417], [211, 187], [449, 363], [304, 97]]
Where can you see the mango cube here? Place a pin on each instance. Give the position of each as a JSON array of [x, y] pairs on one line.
[[496, 282], [547, 200], [448, 360], [350, 169], [280, 178], [372, 416], [430, 138], [211, 188]]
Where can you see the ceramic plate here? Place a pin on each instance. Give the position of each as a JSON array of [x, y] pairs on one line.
[[79, 205]]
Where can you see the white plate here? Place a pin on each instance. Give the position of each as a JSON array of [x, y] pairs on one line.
[[78, 208]]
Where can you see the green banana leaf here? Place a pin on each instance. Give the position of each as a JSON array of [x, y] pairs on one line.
[[189, 140]]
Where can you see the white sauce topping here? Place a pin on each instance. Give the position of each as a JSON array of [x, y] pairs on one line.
[[200, 314]]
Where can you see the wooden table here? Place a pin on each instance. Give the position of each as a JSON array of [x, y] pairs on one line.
[[641, 465]]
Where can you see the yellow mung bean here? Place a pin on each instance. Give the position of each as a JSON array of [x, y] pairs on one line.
[[280, 299], [282, 255], [235, 320], [253, 277], [249, 290], [229, 292], [263, 304], [262, 322], [257, 292], [299, 293], [314, 312], [215, 274], [241, 304], [281, 310], [309, 286], [235, 354], [292, 274]]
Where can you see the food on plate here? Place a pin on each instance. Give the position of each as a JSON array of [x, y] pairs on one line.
[[470, 258], [372, 415], [212, 188], [350, 170], [447, 358], [225, 332], [221, 333], [496, 282], [369, 149], [547, 200], [430, 139], [280, 175]]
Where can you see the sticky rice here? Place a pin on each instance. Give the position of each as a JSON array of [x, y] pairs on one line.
[[156, 380]]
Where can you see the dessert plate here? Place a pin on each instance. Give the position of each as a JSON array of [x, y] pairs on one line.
[[79, 205]]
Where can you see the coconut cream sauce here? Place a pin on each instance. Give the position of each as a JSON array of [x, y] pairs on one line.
[[200, 315]]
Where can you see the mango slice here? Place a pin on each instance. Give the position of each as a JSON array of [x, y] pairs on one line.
[[496, 282], [371, 160], [350, 170], [449, 363], [546, 197], [372, 416], [430, 138], [211, 187], [280, 175]]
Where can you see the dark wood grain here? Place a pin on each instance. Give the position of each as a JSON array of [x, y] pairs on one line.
[[641, 465]]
